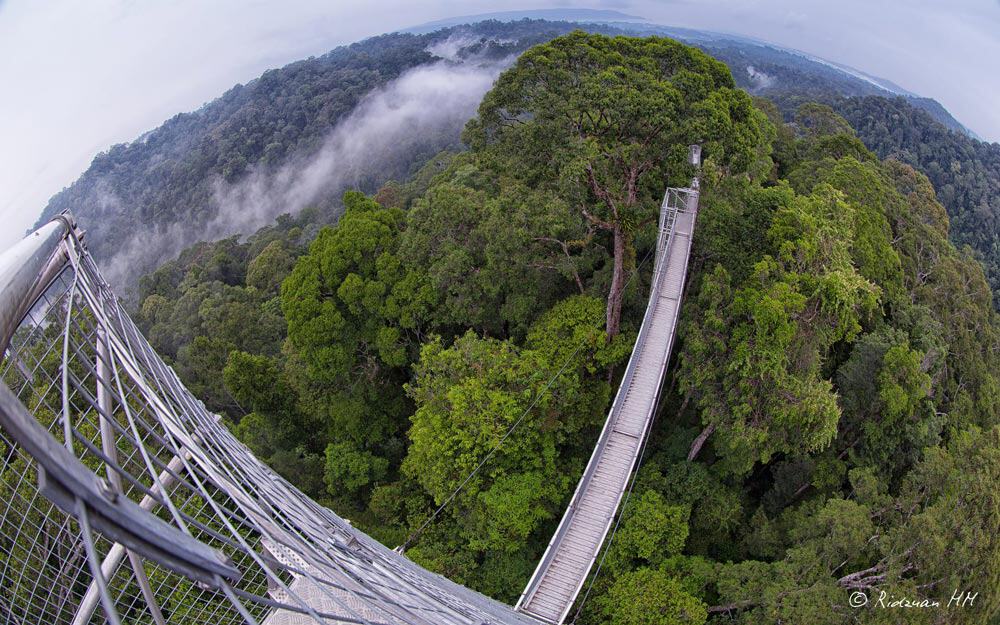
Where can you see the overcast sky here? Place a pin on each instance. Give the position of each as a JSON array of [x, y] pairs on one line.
[[79, 76]]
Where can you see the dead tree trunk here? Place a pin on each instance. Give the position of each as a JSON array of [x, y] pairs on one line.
[[700, 441], [617, 291]]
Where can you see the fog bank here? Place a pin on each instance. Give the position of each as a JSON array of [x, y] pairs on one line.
[[392, 130]]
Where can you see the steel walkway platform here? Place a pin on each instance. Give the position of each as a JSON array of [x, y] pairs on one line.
[[574, 548]]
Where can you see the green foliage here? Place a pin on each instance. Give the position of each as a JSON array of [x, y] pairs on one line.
[[256, 382], [768, 394], [199, 361], [343, 299], [884, 391], [608, 104], [470, 394], [603, 121], [952, 536], [493, 262], [256, 432], [864, 184], [651, 597], [837, 353], [514, 507], [965, 172], [651, 531], [352, 313], [195, 313], [889, 335], [348, 470], [716, 508], [793, 590], [467, 396], [266, 271], [814, 120]]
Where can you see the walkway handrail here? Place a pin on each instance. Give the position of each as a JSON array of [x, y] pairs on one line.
[[26, 270]]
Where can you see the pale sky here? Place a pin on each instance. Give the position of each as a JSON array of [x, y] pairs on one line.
[[77, 76]]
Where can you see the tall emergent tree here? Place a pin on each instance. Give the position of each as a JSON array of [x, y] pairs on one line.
[[603, 120]]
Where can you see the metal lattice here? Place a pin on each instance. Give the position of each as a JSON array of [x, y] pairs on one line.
[[122, 499]]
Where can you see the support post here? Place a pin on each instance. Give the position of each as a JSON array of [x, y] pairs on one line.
[[110, 448]]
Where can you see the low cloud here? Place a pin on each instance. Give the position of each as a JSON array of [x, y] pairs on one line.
[[451, 48], [759, 80], [419, 113], [423, 110]]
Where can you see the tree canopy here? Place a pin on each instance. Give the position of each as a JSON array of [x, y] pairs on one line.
[[603, 120]]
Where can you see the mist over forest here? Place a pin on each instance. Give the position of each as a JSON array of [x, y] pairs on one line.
[[368, 113]]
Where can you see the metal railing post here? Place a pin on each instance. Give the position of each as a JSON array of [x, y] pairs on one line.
[[110, 449]]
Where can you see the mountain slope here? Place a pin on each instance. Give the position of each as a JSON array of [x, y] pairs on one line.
[[239, 161], [168, 176], [965, 172], [355, 117]]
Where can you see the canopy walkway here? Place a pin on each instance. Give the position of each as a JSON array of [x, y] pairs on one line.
[[585, 524], [123, 499]]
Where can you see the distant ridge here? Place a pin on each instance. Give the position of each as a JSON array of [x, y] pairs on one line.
[[598, 16], [237, 162], [707, 40]]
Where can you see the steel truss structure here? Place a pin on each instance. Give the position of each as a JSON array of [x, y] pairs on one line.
[[125, 500]]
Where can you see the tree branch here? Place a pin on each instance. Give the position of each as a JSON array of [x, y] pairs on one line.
[[730, 607], [597, 221], [700, 442], [601, 193], [864, 579], [565, 249]]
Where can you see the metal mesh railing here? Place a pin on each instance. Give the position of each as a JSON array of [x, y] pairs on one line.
[[123, 500]]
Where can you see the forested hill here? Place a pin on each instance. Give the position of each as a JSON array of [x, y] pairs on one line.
[[965, 172], [352, 118], [830, 423], [272, 146], [168, 175]]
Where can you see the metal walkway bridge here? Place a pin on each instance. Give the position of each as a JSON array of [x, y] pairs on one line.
[[574, 547], [124, 500]]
